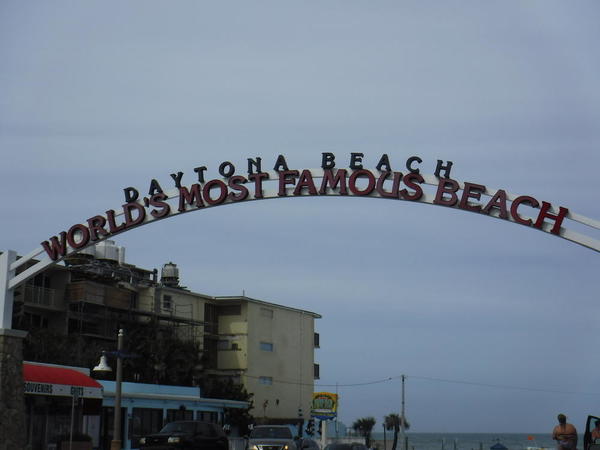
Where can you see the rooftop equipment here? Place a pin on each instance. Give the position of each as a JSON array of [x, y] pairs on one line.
[[169, 275]]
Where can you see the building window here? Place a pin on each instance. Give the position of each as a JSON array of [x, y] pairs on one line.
[[317, 340], [41, 280], [207, 416], [133, 302], [227, 344], [230, 310], [144, 421], [266, 312], [268, 381], [316, 371], [266, 346], [167, 302]]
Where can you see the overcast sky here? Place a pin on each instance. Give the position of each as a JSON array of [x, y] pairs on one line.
[[96, 96]]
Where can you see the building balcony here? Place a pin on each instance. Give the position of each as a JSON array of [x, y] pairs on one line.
[[98, 294], [40, 296]]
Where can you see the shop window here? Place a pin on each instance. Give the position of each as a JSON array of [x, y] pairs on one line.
[[207, 416], [144, 421], [179, 414]]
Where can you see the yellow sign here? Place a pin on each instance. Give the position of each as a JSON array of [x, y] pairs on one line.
[[324, 405]]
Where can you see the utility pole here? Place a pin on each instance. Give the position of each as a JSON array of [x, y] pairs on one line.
[[337, 399], [402, 417], [116, 443]]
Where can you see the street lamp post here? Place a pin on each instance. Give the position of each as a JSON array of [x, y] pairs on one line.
[[403, 447], [116, 443]]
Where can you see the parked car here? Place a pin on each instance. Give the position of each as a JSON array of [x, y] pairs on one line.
[[271, 437], [186, 434]]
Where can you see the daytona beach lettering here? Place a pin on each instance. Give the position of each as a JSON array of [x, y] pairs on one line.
[[355, 181]]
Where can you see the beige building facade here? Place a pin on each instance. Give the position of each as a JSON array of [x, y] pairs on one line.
[[270, 348]]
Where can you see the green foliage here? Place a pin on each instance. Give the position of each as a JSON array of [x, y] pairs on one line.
[[49, 346], [228, 390], [393, 422], [160, 357], [364, 427]]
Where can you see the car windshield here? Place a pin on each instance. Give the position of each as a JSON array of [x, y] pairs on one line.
[[179, 427], [271, 433]]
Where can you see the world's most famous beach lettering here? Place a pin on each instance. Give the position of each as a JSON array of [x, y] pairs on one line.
[[382, 182]]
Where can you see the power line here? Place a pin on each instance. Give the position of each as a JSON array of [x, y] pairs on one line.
[[503, 386], [326, 385], [435, 379]]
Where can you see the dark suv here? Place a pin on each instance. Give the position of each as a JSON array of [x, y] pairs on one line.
[[187, 435]]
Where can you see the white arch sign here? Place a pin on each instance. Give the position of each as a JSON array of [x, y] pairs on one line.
[[355, 181]]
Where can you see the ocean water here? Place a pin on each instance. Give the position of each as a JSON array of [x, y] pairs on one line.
[[470, 441]]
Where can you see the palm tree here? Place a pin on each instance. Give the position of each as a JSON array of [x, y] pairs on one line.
[[364, 426], [393, 422]]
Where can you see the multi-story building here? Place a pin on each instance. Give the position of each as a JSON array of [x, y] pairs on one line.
[[268, 348]]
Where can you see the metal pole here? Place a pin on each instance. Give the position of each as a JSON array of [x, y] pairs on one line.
[[116, 441], [72, 417], [402, 416], [384, 438], [337, 408]]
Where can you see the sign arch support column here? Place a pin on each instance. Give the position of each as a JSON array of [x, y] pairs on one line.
[[12, 397]]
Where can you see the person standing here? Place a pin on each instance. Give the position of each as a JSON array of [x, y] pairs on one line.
[[565, 434]]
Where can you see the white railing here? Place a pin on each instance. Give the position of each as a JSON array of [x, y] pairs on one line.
[[38, 295]]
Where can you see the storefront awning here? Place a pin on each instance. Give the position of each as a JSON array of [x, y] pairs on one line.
[[59, 381]]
